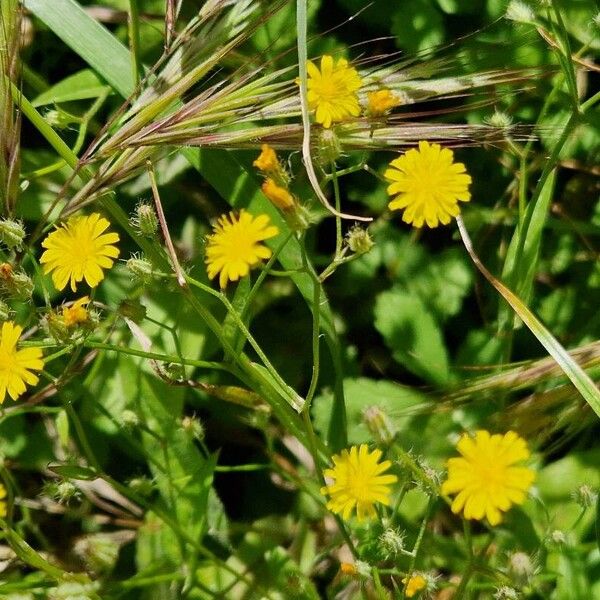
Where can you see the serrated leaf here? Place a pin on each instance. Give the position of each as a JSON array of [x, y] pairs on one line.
[[412, 334]]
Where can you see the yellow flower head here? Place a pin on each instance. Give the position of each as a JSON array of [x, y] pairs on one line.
[[484, 478], [16, 366], [76, 313], [78, 250], [331, 91], [278, 195], [234, 246], [428, 185], [358, 482], [380, 101], [3, 508], [267, 160], [415, 584], [348, 569]]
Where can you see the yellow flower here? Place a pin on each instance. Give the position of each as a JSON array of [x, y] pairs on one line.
[[76, 313], [279, 196], [234, 246], [380, 101], [415, 584], [358, 482], [3, 508], [78, 250], [348, 569], [267, 160], [485, 478], [428, 184], [16, 365], [331, 91]]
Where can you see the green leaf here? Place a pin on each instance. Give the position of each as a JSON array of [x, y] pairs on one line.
[[81, 86], [398, 402], [412, 334], [74, 472], [92, 41]]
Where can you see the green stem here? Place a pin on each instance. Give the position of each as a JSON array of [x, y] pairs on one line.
[[134, 39]]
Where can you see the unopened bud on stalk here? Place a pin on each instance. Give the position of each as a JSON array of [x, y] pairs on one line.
[[380, 102], [142, 486], [391, 543], [558, 537], [71, 590], [12, 234], [585, 496], [15, 283], [129, 419], [506, 593], [279, 196], [193, 428], [330, 148], [5, 312], [519, 12], [98, 551], [521, 566], [141, 269], [145, 219], [378, 424], [500, 119], [359, 241], [59, 119]]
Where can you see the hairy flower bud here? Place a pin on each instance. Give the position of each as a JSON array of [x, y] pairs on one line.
[[15, 283], [12, 234], [142, 486], [359, 241], [585, 496], [378, 423], [330, 148], [5, 312], [141, 269], [519, 12], [193, 428], [391, 543], [506, 593], [145, 219]]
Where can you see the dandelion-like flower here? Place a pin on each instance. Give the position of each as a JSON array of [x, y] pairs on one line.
[[331, 91], [415, 584], [16, 366], [234, 246], [76, 313], [3, 507], [381, 101], [358, 482], [428, 185], [485, 479], [79, 249]]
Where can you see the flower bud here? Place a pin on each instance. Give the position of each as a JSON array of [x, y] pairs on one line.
[[141, 269], [12, 234], [330, 148], [129, 419], [391, 543], [506, 593], [500, 119], [585, 496], [380, 102], [60, 119], [193, 428], [145, 219], [72, 590], [62, 491], [99, 551], [278, 196], [142, 486], [521, 566], [348, 569], [15, 283], [519, 12], [76, 313], [414, 584], [5, 312], [267, 161], [558, 537], [378, 424], [359, 241]]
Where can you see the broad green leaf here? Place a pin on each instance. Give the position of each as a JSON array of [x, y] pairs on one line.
[[397, 402], [91, 40], [412, 334], [81, 86]]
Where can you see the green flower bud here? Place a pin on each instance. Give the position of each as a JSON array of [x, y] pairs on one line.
[[391, 543], [132, 309], [12, 234], [585, 496], [193, 428], [145, 219], [98, 551], [142, 486], [5, 312], [330, 148], [141, 269], [378, 424], [506, 593], [60, 119], [359, 241], [129, 419], [519, 12], [15, 283], [522, 567], [72, 590]]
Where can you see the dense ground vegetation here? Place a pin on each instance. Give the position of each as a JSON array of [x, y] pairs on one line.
[[299, 299]]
